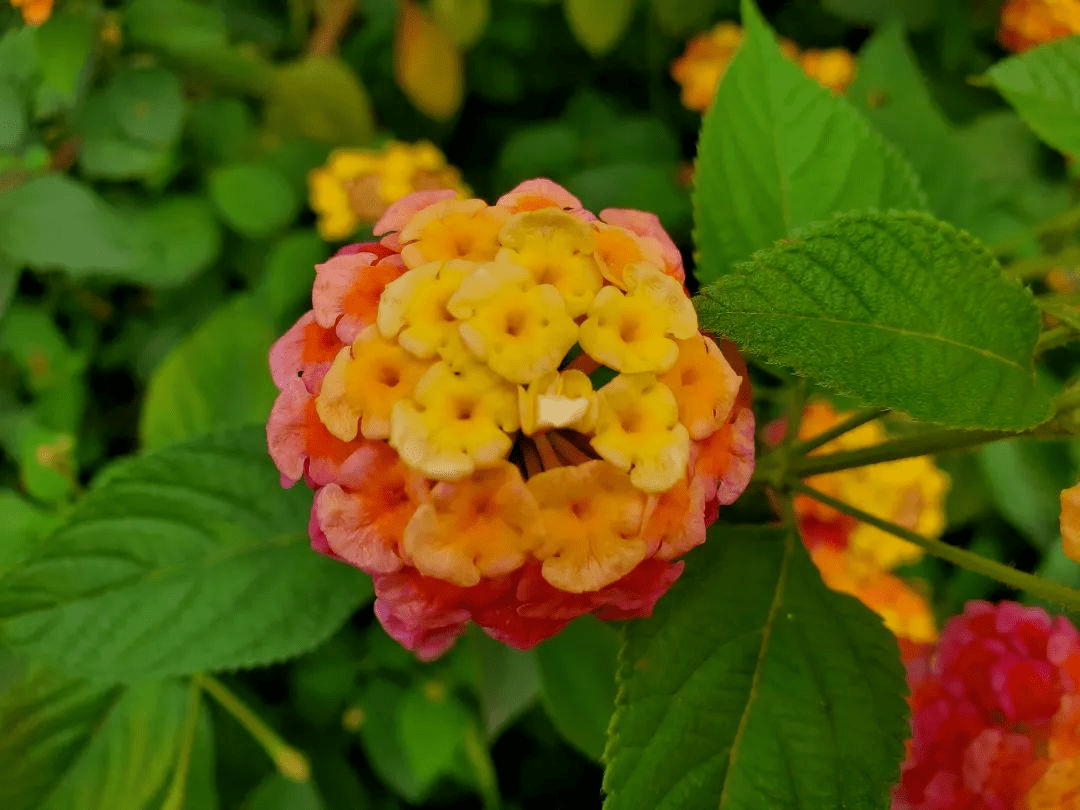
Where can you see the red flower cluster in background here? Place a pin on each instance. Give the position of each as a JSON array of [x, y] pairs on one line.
[[995, 714]]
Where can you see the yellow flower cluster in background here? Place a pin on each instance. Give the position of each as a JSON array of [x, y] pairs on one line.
[[707, 56], [34, 12], [356, 186], [857, 558], [1027, 23]]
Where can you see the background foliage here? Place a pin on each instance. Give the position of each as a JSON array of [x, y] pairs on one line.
[[155, 237]]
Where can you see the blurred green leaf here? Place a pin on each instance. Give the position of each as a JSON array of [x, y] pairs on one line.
[[550, 149], [71, 745], [195, 560], [507, 681], [645, 186], [253, 199], [182, 238], [199, 785], [432, 725], [216, 377], [23, 526], [762, 168], [577, 682], [55, 221], [1043, 85], [870, 305], [175, 24], [889, 90], [12, 117], [9, 283], [223, 128], [599, 24], [18, 54], [64, 45], [45, 458], [380, 737], [463, 20], [753, 686], [285, 286], [320, 98], [677, 18], [278, 793], [1025, 478], [38, 347], [912, 13]]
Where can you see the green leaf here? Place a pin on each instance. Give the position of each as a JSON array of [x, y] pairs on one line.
[[254, 199], [188, 559], [278, 793], [71, 745], [463, 20], [577, 682], [679, 18], [599, 24], [432, 726], [320, 98], [54, 221], [897, 310], [64, 46], [182, 238], [35, 343], [552, 149], [1043, 85], [12, 117], [755, 686], [9, 284], [216, 377], [45, 458], [380, 738], [507, 681], [23, 526], [175, 24], [1025, 478], [912, 13], [889, 90], [289, 272], [645, 186], [763, 168]]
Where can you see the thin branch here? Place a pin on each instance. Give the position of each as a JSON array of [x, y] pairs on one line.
[[857, 419]]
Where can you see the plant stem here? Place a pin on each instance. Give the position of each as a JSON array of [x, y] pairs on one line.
[[1052, 338], [1039, 266], [857, 419], [290, 763], [174, 799], [1062, 595], [928, 443]]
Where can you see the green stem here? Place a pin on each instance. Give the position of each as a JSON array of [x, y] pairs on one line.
[[1065, 221], [1039, 266], [1062, 595], [1052, 338], [290, 763], [174, 799], [857, 419], [923, 444]]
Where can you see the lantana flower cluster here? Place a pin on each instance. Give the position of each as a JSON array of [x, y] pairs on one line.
[[1027, 23], [855, 557], [508, 415], [34, 12], [995, 714], [699, 69], [356, 186]]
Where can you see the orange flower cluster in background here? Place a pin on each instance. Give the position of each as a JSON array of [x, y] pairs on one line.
[[509, 415], [857, 558], [356, 186], [707, 56], [34, 12], [1027, 23]]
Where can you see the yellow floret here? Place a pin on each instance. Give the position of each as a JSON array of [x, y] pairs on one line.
[[556, 248], [638, 429], [453, 229], [630, 332], [457, 421], [363, 384], [413, 308]]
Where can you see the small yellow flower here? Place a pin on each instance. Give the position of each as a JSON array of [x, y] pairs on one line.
[[638, 430], [457, 421], [356, 186], [630, 332], [833, 67], [520, 329], [1027, 23]]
